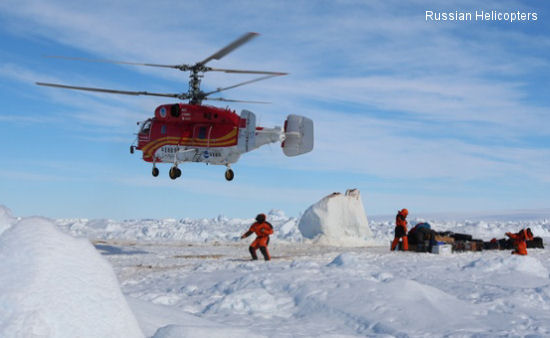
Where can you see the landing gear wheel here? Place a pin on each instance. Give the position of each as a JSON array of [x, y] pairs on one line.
[[173, 173], [131, 149], [229, 174], [155, 171]]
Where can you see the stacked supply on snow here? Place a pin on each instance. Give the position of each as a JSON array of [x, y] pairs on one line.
[[54, 285], [422, 238], [337, 219]]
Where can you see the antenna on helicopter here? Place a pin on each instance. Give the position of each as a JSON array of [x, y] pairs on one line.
[[194, 94]]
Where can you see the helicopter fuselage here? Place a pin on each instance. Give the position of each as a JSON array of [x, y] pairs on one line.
[[186, 126], [196, 133]]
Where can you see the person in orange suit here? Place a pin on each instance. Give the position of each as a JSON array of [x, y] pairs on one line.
[[401, 230], [262, 229], [520, 239]]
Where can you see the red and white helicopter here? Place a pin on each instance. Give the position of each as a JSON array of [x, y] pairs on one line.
[[192, 132]]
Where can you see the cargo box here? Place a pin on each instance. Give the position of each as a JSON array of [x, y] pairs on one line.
[[474, 245], [442, 249]]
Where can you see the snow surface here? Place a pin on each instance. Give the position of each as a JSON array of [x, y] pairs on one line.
[[193, 278], [337, 219]]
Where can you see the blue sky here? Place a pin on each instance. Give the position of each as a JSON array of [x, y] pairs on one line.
[[432, 116]]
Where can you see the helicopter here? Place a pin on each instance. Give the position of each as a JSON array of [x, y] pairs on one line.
[[193, 132]]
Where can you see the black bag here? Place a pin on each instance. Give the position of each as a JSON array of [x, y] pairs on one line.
[[535, 243], [491, 245], [462, 237]]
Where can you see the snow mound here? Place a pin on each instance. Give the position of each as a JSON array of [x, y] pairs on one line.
[[423, 302], [54, 285], [276, 214], [253, 302], [346, 259], [510, 265], [178, 331], [6, 219], [337, 219]]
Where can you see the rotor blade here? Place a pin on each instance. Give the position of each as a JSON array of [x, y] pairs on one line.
[[240, 84], [117, 62], [246, 71], [112, 91], [230, 100], [230, 47]]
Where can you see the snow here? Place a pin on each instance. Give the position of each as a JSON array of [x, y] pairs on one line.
[[346, 259], [54, 285], [193, 278], [220, 229], [337, 220], [178, 331], [6, 219]]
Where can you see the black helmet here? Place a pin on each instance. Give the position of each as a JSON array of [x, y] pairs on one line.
[[260, 218]]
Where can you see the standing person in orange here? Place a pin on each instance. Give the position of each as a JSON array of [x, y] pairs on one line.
[[401, 229], [262, 229], [520, 240]]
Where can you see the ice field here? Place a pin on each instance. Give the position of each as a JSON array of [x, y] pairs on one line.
[[193, 278]]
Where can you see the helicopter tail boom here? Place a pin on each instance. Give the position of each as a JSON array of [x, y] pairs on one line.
[[296, 138]]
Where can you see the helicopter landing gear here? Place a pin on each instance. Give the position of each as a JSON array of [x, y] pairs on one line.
[[155, 171], [229, 174], [174, 172]]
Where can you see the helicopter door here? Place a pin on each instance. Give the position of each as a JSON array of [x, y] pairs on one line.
[[202, 133]]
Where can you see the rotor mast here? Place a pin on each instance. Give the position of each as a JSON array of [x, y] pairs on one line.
[[195, 94]]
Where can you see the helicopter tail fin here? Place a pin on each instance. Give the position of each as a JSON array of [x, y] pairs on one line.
[[298, 134]]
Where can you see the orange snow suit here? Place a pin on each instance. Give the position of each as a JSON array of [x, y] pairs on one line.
[[401, 230], [262, 231], [519, 241]]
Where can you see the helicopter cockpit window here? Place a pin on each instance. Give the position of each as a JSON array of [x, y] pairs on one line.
[[202, 133], [145, 127]]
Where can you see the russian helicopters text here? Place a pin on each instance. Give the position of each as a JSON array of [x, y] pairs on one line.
[[192, 132]]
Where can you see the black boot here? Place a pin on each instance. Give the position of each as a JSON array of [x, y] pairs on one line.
[[263, 250], [253, 253]]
